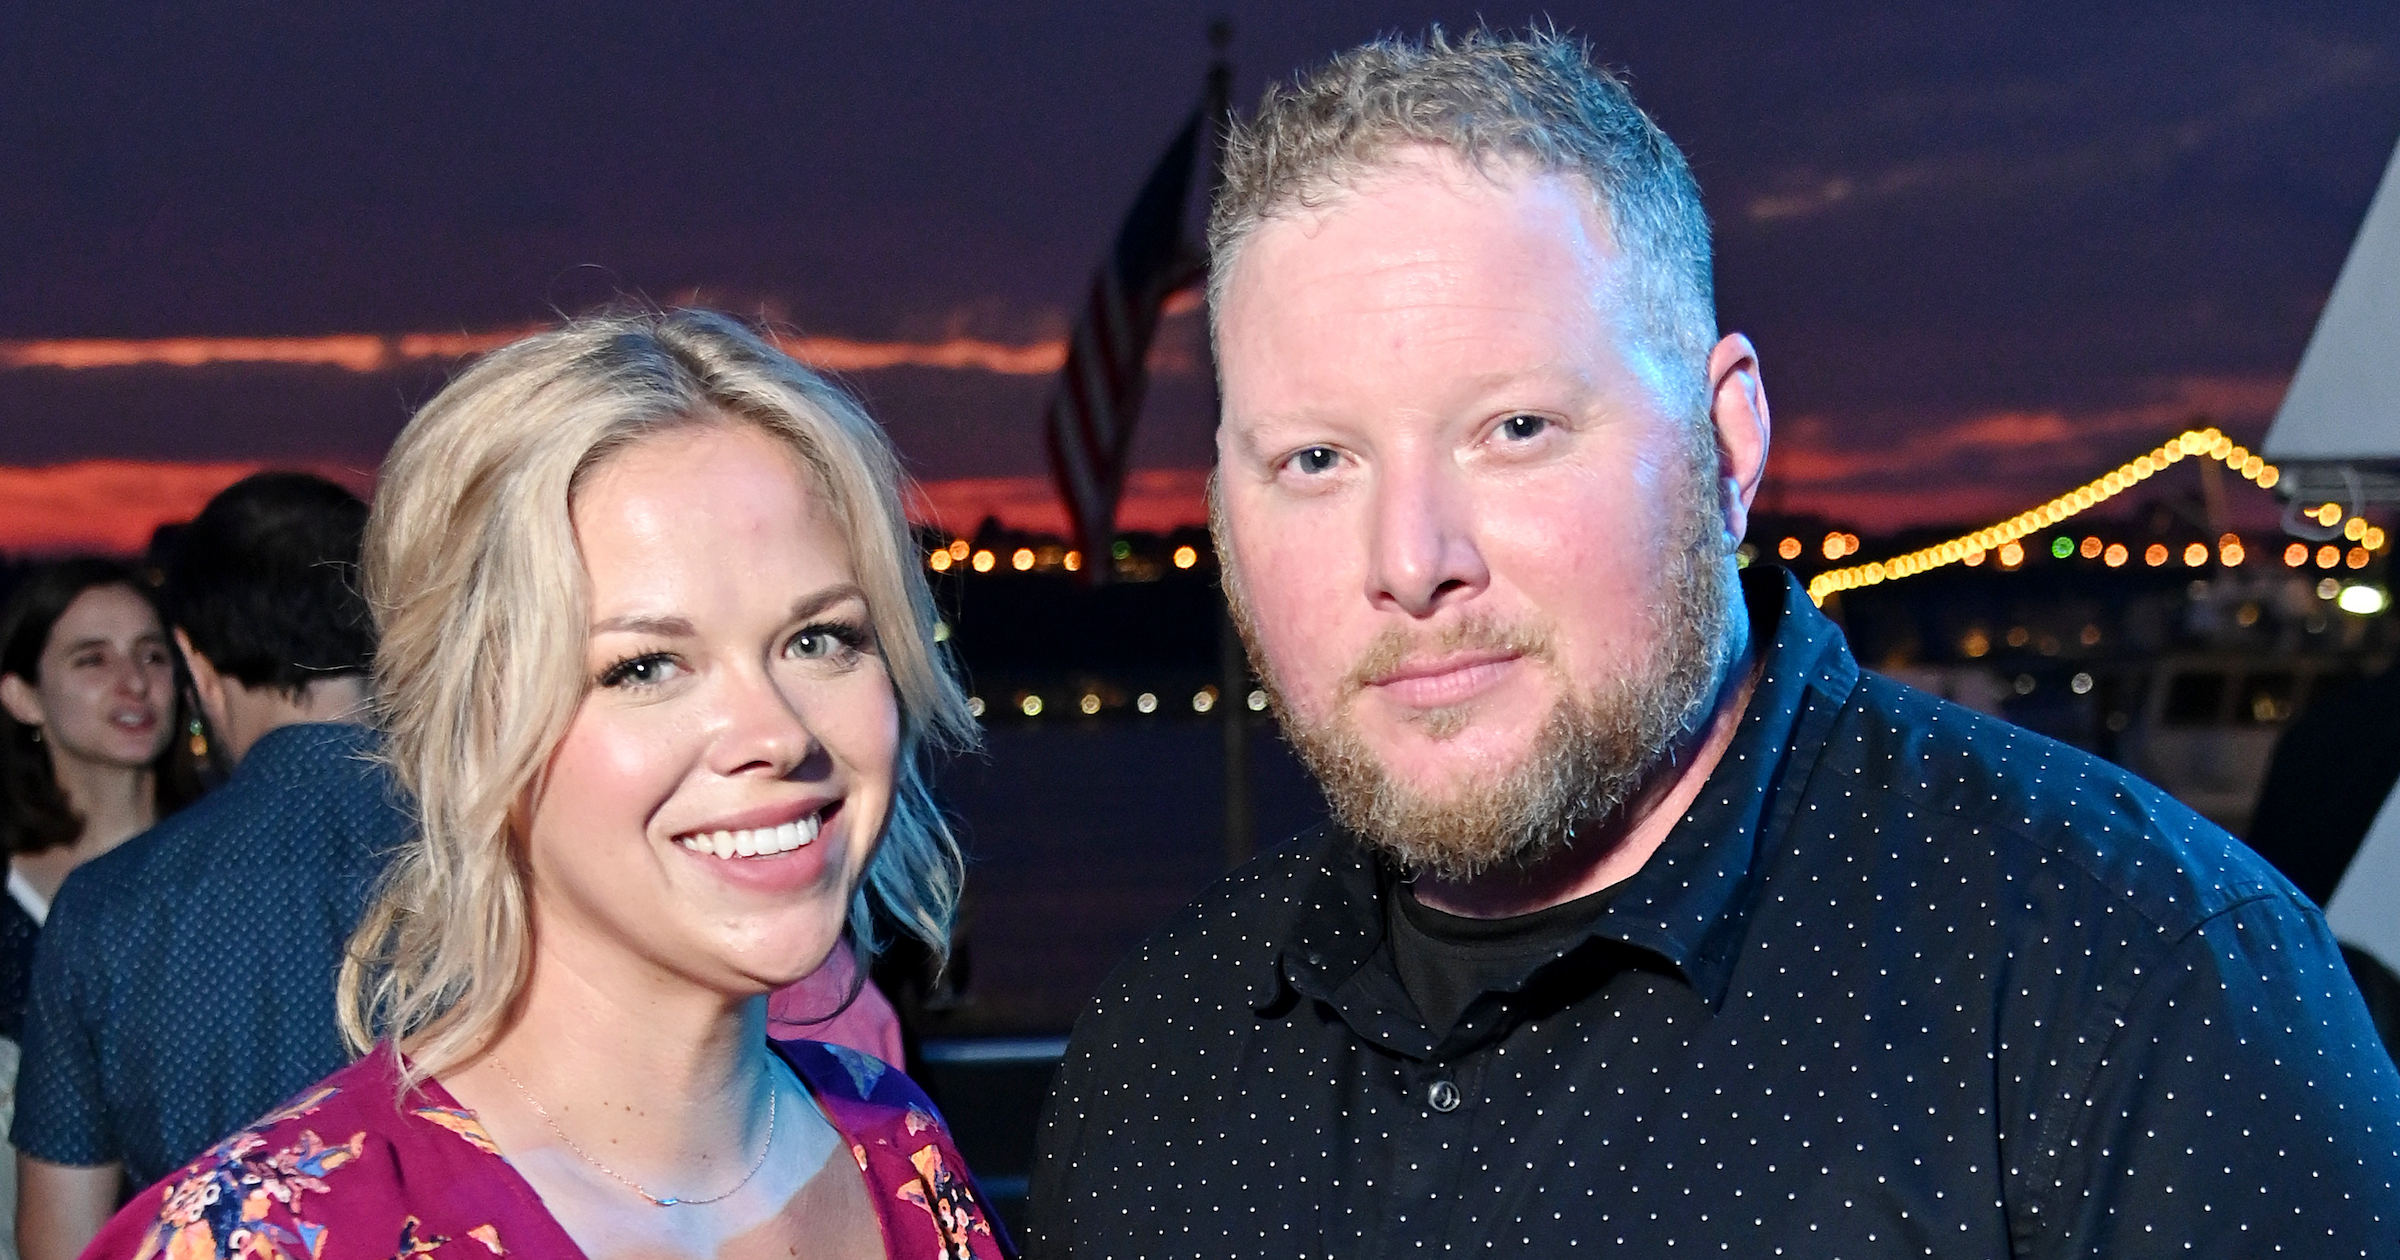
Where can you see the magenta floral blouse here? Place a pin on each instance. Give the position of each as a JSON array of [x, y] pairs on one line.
[[342, 1173]]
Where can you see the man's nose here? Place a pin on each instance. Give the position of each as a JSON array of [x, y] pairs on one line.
[[1424, 549]]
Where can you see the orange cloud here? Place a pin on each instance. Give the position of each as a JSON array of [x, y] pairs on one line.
[[351, 352], [370, 352], [842, 354], [111, 506]]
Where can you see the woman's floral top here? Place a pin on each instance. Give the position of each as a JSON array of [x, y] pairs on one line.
[[342, 1173]]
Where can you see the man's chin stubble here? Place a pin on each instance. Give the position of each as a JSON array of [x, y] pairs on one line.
[[1445, 723], [1517, 817]]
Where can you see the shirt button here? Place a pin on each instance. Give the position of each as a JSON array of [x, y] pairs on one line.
[[1442, 1096]]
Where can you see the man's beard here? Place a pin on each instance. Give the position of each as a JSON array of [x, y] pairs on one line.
[[1595, 750]]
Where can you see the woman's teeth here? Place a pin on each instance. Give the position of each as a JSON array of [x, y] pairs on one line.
[[761, 842]]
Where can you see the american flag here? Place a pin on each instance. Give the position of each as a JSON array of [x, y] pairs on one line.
[[1099, 395]]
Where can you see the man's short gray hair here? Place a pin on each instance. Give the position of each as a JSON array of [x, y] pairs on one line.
[[1534, 98]]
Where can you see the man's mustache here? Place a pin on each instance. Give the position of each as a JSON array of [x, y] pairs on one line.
[[1398, 646]]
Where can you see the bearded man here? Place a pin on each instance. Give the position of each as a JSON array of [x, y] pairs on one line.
[[1649, 925]]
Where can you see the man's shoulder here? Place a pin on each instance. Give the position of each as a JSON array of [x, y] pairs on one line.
[[148, 861], [312, 769], [323, 785], [1966, 775], [326, 813], [1228, 940]]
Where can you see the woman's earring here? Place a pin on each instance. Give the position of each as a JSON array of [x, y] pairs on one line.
[[199, 740], [37, 734]]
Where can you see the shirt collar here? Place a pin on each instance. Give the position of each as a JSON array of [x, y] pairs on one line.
[[1690, 903], [301, 751]]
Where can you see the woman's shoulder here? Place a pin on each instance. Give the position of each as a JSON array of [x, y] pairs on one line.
[[922, 1189], [838, 1072], [349, 1167], [865, 1097]]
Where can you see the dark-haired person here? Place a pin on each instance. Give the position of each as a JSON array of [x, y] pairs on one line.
[[185, 980], [88, 757]]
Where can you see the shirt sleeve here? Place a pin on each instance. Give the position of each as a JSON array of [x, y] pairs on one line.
[[2243, 1106], [62, 1115]]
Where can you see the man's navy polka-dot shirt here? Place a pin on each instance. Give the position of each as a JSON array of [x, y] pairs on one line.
[[183, 985], [1905, 981]]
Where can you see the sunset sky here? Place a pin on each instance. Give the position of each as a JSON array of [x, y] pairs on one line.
[[1983, 256]]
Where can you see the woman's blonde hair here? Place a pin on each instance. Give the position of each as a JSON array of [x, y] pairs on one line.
[[473, 571]]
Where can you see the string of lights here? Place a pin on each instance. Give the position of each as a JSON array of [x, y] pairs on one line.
[[1090, 702], [1145, 558], [960, 553], [2206, 443]]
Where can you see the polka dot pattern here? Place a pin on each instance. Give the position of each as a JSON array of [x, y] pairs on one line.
[[1906, 981], [183, 985]]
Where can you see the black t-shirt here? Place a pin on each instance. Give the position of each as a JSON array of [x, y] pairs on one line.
[[1446, 961]]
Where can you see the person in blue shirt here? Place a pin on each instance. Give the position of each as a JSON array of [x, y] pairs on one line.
[[184, 982]]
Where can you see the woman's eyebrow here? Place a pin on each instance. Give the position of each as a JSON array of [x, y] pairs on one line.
[[810, 605], [670, 626], [643, 623]]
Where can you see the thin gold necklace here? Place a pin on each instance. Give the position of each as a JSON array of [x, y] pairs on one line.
[[629, 1183]]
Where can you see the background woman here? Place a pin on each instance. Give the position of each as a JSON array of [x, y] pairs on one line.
[[658, 668], [89, 715]]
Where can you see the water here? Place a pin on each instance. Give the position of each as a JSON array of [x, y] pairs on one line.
[[1083, 836]]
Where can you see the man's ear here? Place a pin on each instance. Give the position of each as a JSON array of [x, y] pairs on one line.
[[21, 700], [1737, 409], [205, 680]]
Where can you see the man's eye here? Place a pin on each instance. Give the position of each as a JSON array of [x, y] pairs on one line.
[[1316, 459], [1521, 428]]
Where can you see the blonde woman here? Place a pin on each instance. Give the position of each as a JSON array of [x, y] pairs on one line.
[[658, 667]]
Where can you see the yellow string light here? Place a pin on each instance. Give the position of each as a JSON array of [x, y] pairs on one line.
[[1970, 548]]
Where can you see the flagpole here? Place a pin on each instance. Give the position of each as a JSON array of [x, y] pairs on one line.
[[1232, 662]]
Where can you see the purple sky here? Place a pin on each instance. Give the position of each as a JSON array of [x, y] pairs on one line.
[[1983, 254]]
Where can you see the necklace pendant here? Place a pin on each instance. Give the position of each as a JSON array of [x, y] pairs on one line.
[[667, 1202]]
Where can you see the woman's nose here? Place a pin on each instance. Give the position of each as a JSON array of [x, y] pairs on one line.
[[762, 730]]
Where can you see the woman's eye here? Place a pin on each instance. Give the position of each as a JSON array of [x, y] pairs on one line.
[[638, 671], [1521, 428], [1316, 460], [825, 643]]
